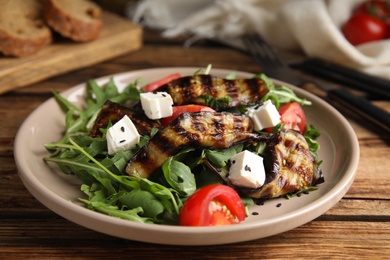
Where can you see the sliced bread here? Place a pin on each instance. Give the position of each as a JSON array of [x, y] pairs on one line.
[[79, 20], [22, 30]]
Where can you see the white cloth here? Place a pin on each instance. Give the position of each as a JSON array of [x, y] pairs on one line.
[[313, 26]]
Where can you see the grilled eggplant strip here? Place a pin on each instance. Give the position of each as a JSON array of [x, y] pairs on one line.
[[293, 167], [187, 90], [113, 112], [202, 129]]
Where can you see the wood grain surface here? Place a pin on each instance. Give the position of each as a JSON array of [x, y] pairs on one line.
[[358, 227], [118, 36]]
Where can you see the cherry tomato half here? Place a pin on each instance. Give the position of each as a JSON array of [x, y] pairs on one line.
[[293, 116], [156, 84], [362, 28], [177, 110], [212, 205]]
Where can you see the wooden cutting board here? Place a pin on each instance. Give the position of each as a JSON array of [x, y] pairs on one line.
[[118, 36]]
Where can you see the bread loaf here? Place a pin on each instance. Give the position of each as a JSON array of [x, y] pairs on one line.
[[22, 30], [79, 20]]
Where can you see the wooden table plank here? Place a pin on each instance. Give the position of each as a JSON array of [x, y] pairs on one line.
[[317, 238]]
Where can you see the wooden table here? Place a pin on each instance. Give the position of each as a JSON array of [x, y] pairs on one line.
[[357, 227]]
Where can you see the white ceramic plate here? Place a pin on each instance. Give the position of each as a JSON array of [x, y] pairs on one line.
[[60, 193]]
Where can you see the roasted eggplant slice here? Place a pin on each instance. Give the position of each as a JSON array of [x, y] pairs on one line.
[[291, 166], [188, 90], [113, 112], [202, 129]]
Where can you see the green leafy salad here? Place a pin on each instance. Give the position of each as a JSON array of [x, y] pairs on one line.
[[156, 200]]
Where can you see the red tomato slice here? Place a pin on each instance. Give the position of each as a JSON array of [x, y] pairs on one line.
[[362, 28], [293, 116], [156, 84], [177, 110], [212, 205]]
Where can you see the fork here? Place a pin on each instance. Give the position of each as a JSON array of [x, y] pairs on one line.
[[267, 57], [273, 66]]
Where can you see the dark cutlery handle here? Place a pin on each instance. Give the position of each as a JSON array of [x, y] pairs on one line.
[[362, 106], [375, 86]]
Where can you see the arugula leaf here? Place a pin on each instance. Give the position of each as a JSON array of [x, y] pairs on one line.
[[232, 75], [179, 176], [206, 177], [65, 104], [282, 94], [131, 92], [216, 103], [312, 132], [203, 71], [150, 205], [311, 135], [219, 158], [168, 197], [98, 201], [308, 189], [111, 210]]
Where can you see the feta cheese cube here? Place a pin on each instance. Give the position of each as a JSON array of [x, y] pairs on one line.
[[247, 170], [123, 135], [156, 105], [264, 116]]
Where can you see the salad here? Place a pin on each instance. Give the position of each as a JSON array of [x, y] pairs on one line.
[[200, 161]]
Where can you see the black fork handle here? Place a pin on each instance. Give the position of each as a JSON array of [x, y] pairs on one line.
[[345, 101], [362, 106]]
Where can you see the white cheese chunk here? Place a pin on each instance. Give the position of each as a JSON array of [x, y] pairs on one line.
[[156, 105], [247, 170], [123, 135], [264, 116]]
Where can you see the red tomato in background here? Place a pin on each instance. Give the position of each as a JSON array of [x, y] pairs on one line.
[[370, 21], [376, 8], [177, 110], [212, 205], [156, 84], [293, 116], [362, 28]]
